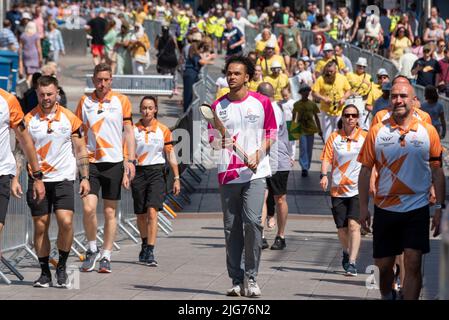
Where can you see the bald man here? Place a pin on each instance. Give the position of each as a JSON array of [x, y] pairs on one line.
[[409, 150]]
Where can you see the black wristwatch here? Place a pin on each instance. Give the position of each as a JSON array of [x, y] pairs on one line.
[[37, 175], [84, 177], [134, 162], [323, 175]]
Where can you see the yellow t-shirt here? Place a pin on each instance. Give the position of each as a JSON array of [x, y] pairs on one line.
[[278, 83], [399, 46], [252, 85], [374, 94], [219, 28], [320, 64], [222, 92], [359, 83], [211, 25], [334, 91], [266, 64], [260, 47]]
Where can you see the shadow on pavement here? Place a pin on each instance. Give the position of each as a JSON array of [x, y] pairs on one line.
[[198, 291]]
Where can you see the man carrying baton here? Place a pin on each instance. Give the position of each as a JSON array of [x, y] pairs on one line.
[[249, 119]]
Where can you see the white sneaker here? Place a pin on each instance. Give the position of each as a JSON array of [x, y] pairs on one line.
[[251, 288], [236, 291]]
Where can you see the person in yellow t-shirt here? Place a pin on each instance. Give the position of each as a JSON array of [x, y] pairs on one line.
[[278, 80], [269, 57], [361, 85], [256, 80], [332, 89], [398, 44], [376, 89], [261, 44], [329, 54]]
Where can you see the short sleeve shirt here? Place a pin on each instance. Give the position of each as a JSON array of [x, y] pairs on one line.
[[103, 124], [334, 91]]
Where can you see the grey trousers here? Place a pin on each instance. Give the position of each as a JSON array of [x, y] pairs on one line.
[[242, 218]]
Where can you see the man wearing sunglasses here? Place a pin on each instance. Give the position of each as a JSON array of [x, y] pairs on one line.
[[427, 68], [406, 153]]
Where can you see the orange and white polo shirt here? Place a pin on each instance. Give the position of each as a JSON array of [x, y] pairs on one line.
[[341, 152], [151, 143], [403, 160], [103, 123], [52, 137], [385, 114], [10, 116]]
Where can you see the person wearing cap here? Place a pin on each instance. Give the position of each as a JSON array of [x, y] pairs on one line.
[[266, 37], [183, 22], [360, 82], [331, 89], [383, 102], [219, 30], [233, 39], [426, 68], [305, 115], [329, 54], [376, 88], [268, 57], [341, 152], [277, 79]]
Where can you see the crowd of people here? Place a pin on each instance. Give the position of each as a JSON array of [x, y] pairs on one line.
[[380, 141]]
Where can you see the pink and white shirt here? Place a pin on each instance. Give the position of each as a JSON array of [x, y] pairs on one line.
[[249, 121]]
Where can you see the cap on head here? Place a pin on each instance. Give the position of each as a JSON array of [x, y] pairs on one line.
[[276, 5], [328, 47], [270, 44], [382, 72], [228, 19], [275, 64], [362, 62], [26, 15]]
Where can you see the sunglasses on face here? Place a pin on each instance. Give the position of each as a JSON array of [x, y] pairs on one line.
[[351, 115]]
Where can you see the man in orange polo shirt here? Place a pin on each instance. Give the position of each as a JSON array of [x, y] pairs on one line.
[[406, 153]]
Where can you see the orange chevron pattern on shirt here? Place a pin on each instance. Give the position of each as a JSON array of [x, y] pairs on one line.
[[341, 152], [103, 122], [10, 116], [385, 114], [403, 159], [51, 135], [151, 143]]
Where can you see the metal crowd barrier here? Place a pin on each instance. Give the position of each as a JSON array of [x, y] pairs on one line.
[[160, 85]]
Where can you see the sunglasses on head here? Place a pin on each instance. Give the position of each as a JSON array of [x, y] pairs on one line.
[[351, 115]]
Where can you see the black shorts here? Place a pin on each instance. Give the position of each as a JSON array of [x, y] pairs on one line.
[[58, 196], [5, 184], [148, 188], [344, 209], [107, 176], [277, 183], [395, 231]]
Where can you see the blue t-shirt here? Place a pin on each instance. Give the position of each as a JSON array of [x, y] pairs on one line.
[[380, 104], [434, 110], [233, 36]]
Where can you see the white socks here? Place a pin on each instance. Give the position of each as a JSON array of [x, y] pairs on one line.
[[93, 246], [106, 254]]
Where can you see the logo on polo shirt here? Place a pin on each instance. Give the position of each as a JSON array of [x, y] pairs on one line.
[[252, 118], [223, 115]]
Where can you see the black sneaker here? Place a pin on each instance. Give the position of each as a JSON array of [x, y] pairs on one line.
[[105, 266], [345, 261], [265, 244], [61, 277], [304, 173], [150, 259], [279, 244], [44, 281], [143, 255]]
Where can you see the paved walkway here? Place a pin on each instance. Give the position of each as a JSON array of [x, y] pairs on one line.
[[192, 258]]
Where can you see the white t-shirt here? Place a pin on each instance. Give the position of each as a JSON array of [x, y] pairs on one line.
[[305, 77], [249, 121], [241, 23]]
